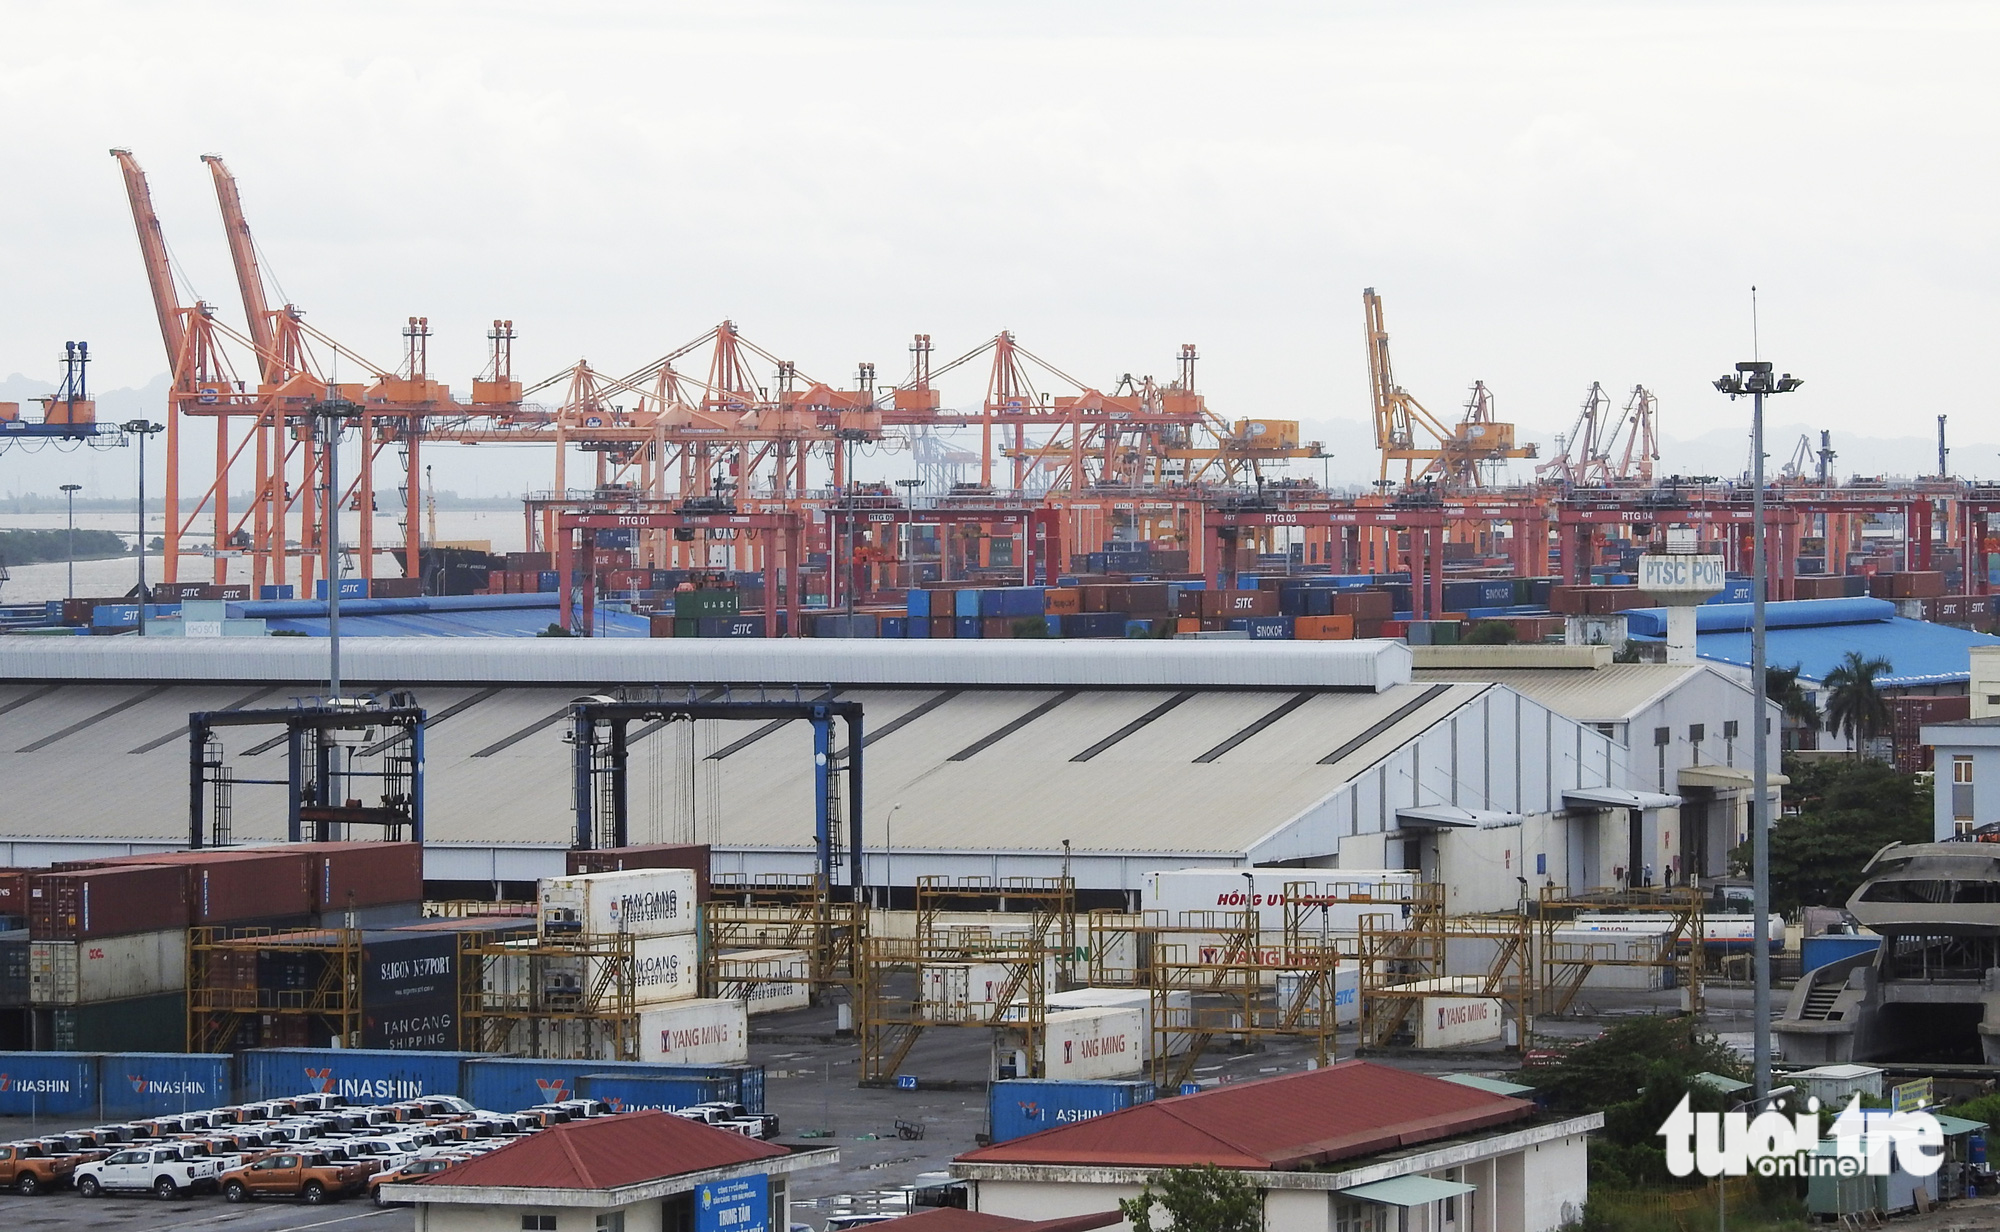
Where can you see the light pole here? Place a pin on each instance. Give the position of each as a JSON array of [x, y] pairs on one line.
[[328, 420], [1722, 1182], [1754, 377], [889, 858], [142, 429], [70, 490]]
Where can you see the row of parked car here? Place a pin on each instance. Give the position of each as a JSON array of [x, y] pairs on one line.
[[313, 1147]]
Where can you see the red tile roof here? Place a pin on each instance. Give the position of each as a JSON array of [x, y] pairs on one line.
[[609, 1152], [1343, 1110], [952, 1219]]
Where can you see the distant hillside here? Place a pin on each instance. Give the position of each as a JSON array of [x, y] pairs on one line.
[[29, 547]]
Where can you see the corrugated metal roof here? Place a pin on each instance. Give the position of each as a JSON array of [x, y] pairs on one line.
[[1918, 652], [1607, 694], [497, 770], [608, 1152], [1107, 663], [1344, 1110]]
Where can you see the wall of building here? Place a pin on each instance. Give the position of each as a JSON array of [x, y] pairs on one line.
[[1553, 1187], [1985, 785], [639, 1217], [1050, 1200]]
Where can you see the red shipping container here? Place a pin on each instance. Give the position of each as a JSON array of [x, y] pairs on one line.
[[14, 890], [1363, 604], [107, 902], [1231, 604], [364, 874], [944, 626], [647, 855], [237, 887], [1323, 628], [997, 627]]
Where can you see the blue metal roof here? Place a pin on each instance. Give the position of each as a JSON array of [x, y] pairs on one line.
[[1918, 652], [472, 622]]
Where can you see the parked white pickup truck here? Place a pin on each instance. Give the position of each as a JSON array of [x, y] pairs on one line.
[[161, 1170]]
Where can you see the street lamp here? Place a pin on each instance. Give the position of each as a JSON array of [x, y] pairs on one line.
[[143, 429], [329, 418], [1753, 377], [70, 490], [889, 858]]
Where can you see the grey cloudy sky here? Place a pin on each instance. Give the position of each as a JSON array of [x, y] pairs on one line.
[[1545, 194]]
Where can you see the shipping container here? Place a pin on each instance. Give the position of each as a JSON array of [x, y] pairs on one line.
[[107, 902], [766, 981], [1094, 1043], [107, 968], [640, 1092], [14, 891], [1180, 1013], [409, 990], [142, 1024], [1817, 952], [1263, 628], [965, 603], [966, 626], [358, 1075], [729, 626], [147, 1084], [235, 888], [507, 1084], [1456, 1022], [645, 902], [367, 874], [14, 968], [709, 1031], [648, 855], [1018, 1107], [694, 604], [42, 1084], [665, 969]]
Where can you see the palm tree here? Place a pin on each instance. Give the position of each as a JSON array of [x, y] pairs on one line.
[[1854, 706], [1801, 712]]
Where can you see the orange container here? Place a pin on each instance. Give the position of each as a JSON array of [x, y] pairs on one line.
[[1323, 628], [1187, 625], [1062, 601]]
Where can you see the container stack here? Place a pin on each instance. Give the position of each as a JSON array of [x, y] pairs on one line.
[[106, 953], [658, 908]]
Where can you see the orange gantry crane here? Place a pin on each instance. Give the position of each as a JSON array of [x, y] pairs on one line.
[[1406, 432]]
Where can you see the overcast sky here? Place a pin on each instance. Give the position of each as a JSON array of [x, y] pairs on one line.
[[1545, 194]]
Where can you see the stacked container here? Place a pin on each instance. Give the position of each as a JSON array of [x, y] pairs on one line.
[[107, 958]]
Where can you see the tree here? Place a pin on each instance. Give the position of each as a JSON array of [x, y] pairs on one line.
[[1030, 627], [1199, 1199], [1848, 811], [1635, 1073], [1854, 706], [1801, 712], [1490, 633]]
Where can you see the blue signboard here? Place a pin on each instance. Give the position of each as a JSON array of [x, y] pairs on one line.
[[739, 1205], [907, 1083], [1190, 1088]]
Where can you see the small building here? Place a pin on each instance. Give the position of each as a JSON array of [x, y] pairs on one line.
[[1966, 753], [634, 1172], [1339, 1149]]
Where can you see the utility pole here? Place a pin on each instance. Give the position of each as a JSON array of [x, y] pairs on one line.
[[1754, 377], [70, 490], [1944, 468], [328, 420]]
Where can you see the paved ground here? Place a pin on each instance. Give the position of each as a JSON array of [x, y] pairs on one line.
[[66, 1212]]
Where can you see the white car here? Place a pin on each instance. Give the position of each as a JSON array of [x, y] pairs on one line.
[[392, 1151], [161, 1170]]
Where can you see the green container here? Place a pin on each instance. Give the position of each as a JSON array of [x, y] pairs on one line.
[[686, 626], [1444, 633], [138, 1024], [694, 604], [1524, 591]]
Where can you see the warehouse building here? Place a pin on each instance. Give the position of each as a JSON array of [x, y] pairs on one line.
[[982, 758], [1685, 728]]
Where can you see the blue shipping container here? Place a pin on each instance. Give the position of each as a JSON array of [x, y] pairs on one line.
[[895, 626], [633, 1092], [917, 626], [965, 626], [143, 1084], [39, 1084], [548, 581], [918, 603], [277, 592], [1263, 628], [350, 588], [1022, 1106], [359, 1075], [509, 1084], [1094, 624], [965, 603], [1816, 952], [126, 615], [1023, 601]]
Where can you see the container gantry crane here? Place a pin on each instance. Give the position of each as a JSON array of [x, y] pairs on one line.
[[1406, 432]]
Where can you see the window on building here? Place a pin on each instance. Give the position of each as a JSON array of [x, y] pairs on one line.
[[1607, 729], [1697, 732], [1961, 788], [538, 1223], [1729, 729], [1360, 1217], [611, 1221], [1663, 736]]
